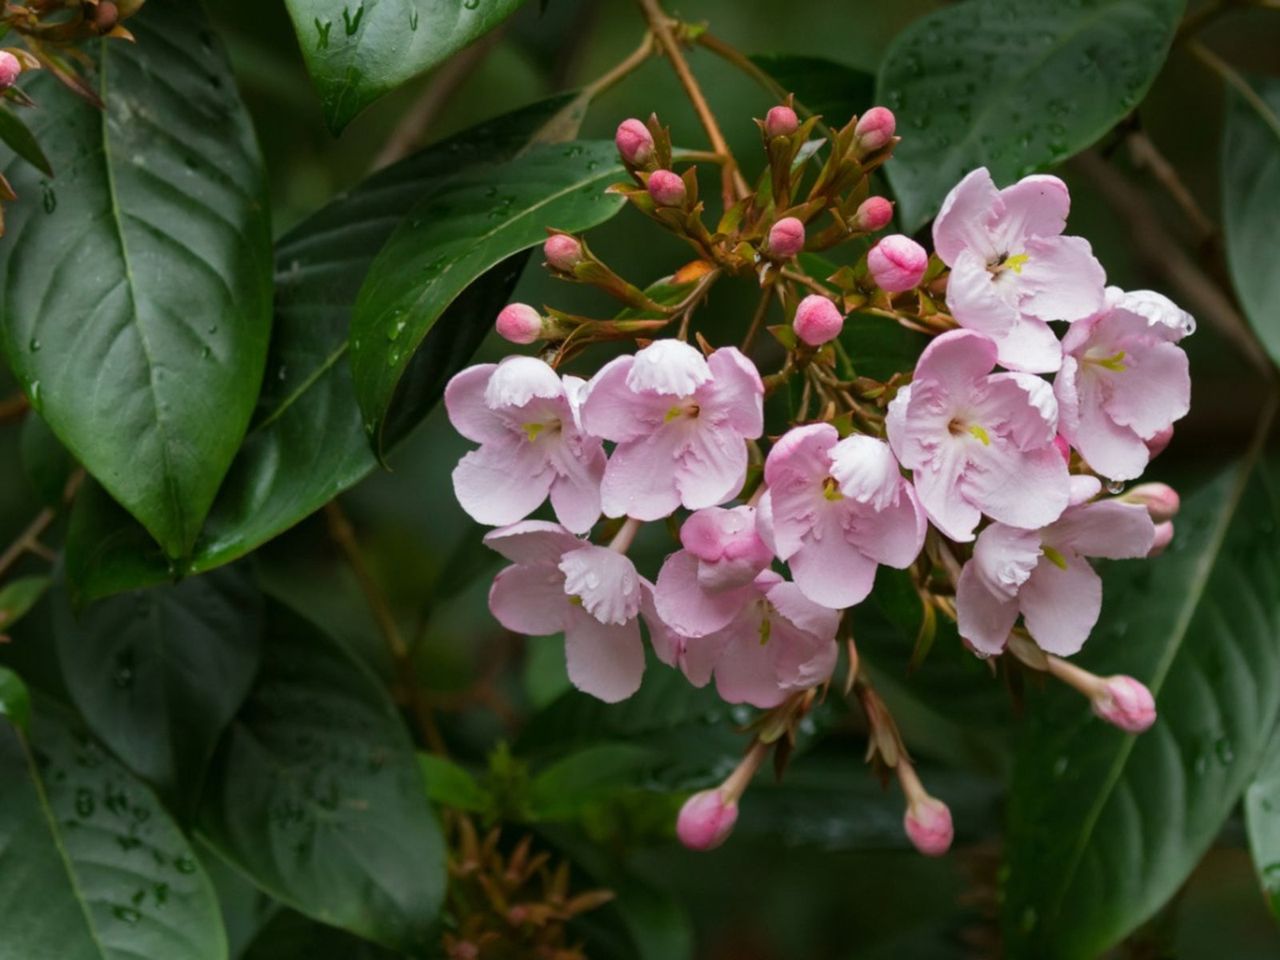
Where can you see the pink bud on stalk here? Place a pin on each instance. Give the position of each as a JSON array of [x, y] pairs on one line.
[[875, 128], [10, 68], [519, 323], [634, 141], [817, 320], [1157, 443], [781, 121], [562, 251], [874, 213], [1160, 499], [786, 238], [707, 818], [666, 188], [1164, 536], [927, 820], [897, 263], [1125, 703]]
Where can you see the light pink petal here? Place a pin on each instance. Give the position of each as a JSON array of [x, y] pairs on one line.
[[955, 359], [829, 569], [895, 424], [604, 580], [893, 536], [688, 607], [802, 612], [975, 300], [1004, 557], [1030, 345], [1084, 488], [1107, 528], [1165, 318], [612, 411], [727, 545], [604, 660], [695, 656], [464, 402], [712, 467], [667, 644], [1112, 450], [938, 485], [1035, 206], [1020, 407], [1152, 391], [736, 394], [866, 470], [962, 223], [575, 493], [802, 455], [1060, 606], [640, 478], [518, 380], [764, 523], [1021, 488], [670, 367], [800, 660], [504, 481], [530, 600], [532, 541], [982, 617], [1061, 280]]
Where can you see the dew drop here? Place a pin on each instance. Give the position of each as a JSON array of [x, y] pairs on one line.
[[84, 802], [126, 915], [49, 199], [185, 864], [1114, 487], [34, 345]]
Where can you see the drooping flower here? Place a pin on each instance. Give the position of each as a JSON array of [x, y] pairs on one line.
[[526, 419], [978, 442], [591, 594], [835, 509], [680, 421], [1043, 574], [1012, 270], [1124, 380]]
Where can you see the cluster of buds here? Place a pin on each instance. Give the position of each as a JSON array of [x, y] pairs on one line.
[[972, 471]]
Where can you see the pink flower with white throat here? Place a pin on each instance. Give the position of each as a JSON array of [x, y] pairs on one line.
[[1043, 574], [1124, 380], [836, 509], [1011, 269], [591, 594], [978, 442], [680, 421], [526, 419]]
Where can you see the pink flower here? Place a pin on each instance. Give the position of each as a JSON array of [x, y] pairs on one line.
[[1125, 703], [786, 238], [978, 442], [519, 323], [706, 820], [897, 263], [680, 422], [1011, 270], [634, 142], [1124, 381], [526, 420], [1161, 500], [1043, 574], [10, 69], [781, 121], [591, 594], [562, 251], [928, 825], [875, 128], [874, 213], [817, 320], [666, 188], [835, 509]]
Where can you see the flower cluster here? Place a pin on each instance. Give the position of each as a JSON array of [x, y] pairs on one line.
[[991, 472]]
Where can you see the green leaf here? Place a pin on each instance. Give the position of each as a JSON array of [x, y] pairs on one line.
[[136, 295], [1262, 817], [370, 47], [45, 461], [1015, 86], [18, 138], [1105, 826], [91, 866], [18, 596], [878, 347], [1251, 202], [15, 702], [315, 793], [452, 786], [456, 233], [307, 443], [833, 90], [567, 787], [159, 673], [291, 936]]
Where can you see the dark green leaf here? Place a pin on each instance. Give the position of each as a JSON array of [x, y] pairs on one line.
[[18, 138], [833, 90], [568, 786], [316, 794], [291, 936], [91, 866], [1105, 826], [45, 460], [15, 702], [246, 910], [137, 287], [452, 236], [1251, 203], [18, 596], [452, 786], [878, 347], [1013, 86], [370, 47], [1262, 816], [159, 673]]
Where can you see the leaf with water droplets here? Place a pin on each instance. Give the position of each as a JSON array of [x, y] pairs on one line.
[[1262, 817], [985, 83]]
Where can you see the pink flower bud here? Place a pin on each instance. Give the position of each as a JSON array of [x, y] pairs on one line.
[[1156, 445], [874, 213], [666, 188], [897, 263], [706, 820], [1125, 703], [634, 142], [1160, 499], [875, 128], [1064, 448], [786, 238], [928, 824], [1164, 536], [781, 121], [10, 68], [519, 323], [562, 252], [817, 320]]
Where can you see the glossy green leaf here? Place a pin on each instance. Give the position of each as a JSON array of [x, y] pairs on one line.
[[136, 290], [91, 866], [18, 137], [1105, 826], [1013, 85], [315, 793], [833, 90], [18, 596], [1262, 817], [45, 461], [15, 701], [452, 236], [877, 347], [1251, 203], [451, 785], [159, 673], [358, 51]]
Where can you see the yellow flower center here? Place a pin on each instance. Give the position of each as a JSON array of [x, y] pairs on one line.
[[1054, 557], [830, 490]]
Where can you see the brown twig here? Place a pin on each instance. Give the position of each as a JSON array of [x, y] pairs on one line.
[[1147, 156], [757, 319], [14, 408], [28, 541]]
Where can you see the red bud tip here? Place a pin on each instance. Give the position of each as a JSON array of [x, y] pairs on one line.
[[706, 820], [1160, 499], [1125, 703], [874, 213], [817, 320], [666, 188], [562, 252], [897, 263], [10, 69], [519, 323], [786, 238], [781, 121], [635, 142], [928, 824], [875, 128]]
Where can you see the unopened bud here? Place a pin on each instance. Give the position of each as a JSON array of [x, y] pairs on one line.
[[1160, 499], [666, 188], [634, 141], [1125, 703], [562, 252], [874, 213], [1157, 443], [106, 16], [786, 238], [781, 121], [897, 263], [817, 320], [519, 323], [706, 820], [10, 68], [928, 824], [875, 128], [1164, 536], [1064, 448]]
